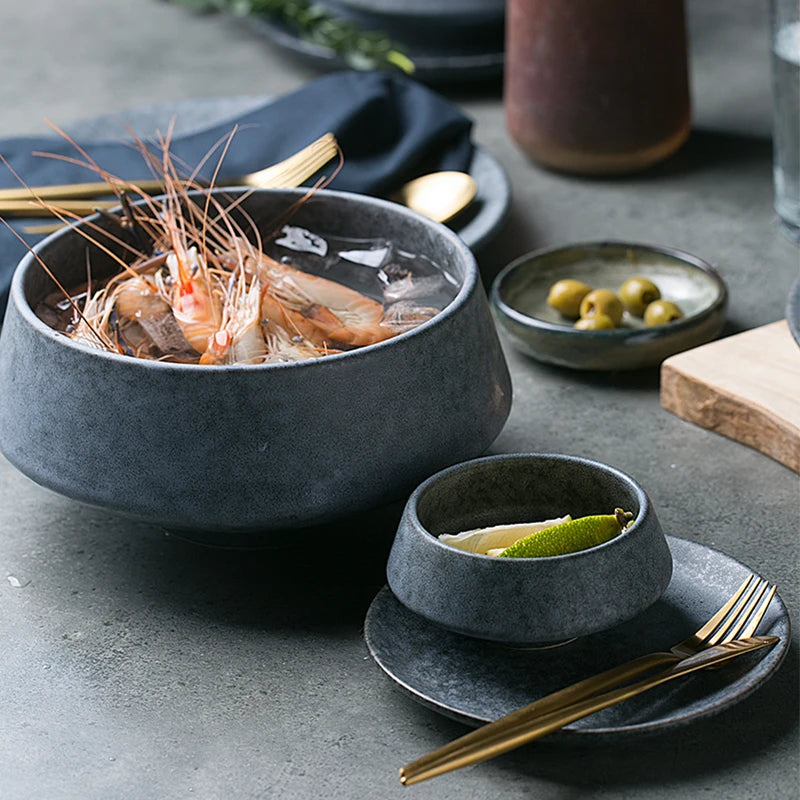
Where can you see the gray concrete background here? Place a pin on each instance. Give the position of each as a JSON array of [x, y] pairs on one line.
[[133, 665]]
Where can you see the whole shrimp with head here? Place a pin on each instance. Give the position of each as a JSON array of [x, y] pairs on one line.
[[198, 286]]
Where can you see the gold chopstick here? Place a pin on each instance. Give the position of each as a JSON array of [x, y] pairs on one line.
[[318, 153], [30, 208], [77, 191], [496, 738], [44, 227], [290, 172]]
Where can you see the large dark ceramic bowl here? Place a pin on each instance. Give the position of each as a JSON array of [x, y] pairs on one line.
[[529, 601], [254, 447]]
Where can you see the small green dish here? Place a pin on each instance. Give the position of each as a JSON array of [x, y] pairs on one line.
[[519, 303]]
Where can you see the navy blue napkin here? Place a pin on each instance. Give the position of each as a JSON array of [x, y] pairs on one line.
[[390, 129]]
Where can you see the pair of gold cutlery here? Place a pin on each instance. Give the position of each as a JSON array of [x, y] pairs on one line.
[[79, 198], [438, 195], [728, 634]]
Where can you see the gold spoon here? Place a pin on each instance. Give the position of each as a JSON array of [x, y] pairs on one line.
[[438, 195]]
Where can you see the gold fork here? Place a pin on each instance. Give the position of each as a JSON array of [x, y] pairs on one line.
[[22, 202], [737, 619]]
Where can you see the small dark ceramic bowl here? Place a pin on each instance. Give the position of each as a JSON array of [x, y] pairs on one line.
[[527, 601], [519, 302], [254, 448]]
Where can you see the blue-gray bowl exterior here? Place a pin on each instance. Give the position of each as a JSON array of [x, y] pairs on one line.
[[527, 601], [262, 447], [793, 310], [617, 349]]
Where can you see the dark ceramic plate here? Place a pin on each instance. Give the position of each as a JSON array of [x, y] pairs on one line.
[[793, 310], [445, 65], [474, 681], [519, 302], [476, 226]]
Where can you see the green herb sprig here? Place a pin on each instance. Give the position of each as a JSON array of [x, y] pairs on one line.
[[361, 49]]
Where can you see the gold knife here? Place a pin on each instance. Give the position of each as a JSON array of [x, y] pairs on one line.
[[481, 745]]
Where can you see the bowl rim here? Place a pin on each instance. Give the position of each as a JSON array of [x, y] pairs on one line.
[[33, 257], [616, 334], [412, 505]]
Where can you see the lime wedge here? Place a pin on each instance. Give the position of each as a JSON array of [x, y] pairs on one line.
[[570, 537], [497, 537]]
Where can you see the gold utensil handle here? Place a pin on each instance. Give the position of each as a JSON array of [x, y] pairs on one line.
[[30, 208], [560, 699], [494, 745], [302, 163], [77, 191], [290, 172]]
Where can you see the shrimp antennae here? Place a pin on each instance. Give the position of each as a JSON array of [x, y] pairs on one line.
[[325, 181], [57, 282]]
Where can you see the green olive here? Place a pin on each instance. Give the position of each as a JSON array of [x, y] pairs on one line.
[[565, 297], [602, 301], [659, 312], [596, 322], [637, 293]]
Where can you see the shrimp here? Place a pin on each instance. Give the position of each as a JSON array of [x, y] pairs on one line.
[[240, 341], [249, 345], [322, 310], [195, 285], [92, 321], [405, 315], [283, 344], [194, 305], [146, 323]]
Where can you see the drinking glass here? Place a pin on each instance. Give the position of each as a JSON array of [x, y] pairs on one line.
[[786, 107]]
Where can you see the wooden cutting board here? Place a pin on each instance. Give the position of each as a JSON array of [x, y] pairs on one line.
[[745, 387]]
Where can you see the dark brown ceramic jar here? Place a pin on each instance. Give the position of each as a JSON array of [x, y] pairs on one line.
[[597, 86]]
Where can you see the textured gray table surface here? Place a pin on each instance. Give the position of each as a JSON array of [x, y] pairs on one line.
[[133, 665]]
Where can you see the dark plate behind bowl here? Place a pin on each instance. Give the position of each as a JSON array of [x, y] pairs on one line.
[[448, 41], [254, 447], [477, 225], [519, 302]]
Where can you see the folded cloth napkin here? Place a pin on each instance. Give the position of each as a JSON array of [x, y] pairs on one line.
[[390, 129]]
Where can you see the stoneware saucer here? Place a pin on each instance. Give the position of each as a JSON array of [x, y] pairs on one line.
[[476, 681], [519, 302]]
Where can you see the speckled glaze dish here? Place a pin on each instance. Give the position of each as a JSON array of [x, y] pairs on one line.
[[519, 303], [474, 681], [255, 448], [527, 600], [793, 310]]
